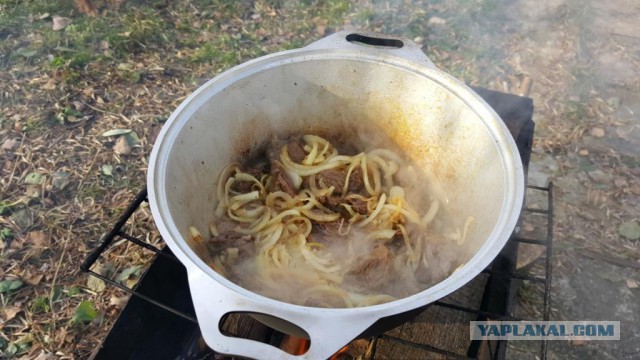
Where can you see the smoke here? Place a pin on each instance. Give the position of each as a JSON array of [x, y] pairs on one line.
[[367, 265]]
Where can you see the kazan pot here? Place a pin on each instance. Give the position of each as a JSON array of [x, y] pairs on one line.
[[378, 82]]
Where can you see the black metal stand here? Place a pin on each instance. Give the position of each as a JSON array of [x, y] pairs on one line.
[[142, 331]]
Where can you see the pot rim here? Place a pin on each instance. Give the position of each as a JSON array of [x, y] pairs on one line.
[[514, 174]]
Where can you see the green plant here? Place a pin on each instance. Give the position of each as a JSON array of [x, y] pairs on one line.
[[85, 313], [41, 304]]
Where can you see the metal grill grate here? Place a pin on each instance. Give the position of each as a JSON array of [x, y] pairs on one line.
[[498, 349]]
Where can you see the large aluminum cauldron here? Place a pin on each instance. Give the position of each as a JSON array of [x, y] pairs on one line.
[[336, 84]]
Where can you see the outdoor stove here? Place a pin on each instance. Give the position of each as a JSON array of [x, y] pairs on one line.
[[159, 322]]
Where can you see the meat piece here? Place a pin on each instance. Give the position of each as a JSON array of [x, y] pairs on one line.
[[228, 237], [358, 205], [331, 202], [258, 170], [242, 186], [337, 177], [246, 186], [225, 226], [280, 180], [296, 151], [356, 183], [332, 177], [325, 231], [373, 270], [441, 260]]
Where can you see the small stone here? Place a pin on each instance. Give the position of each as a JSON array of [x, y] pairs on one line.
[[577, 342], [597, 132], [583, 152], [629, 230], [434, 20], [632, 284], [59, 22], [418, 40], [321, 30], [599, 176]]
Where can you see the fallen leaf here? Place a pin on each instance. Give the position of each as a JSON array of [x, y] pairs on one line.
[[74, 119], [63, 49], [85, 313], [632, 284], [88, 92], [25, 52], [34, 178], [116, 132], [130, 276], [125, 67], [33, 279], [122, 146], [10, 312], [9, 144], [96, 284], [37, 239], [321, 29], [50, 85], [118, 301], [60, 180], [107, 169], [22, 217], [33, 191], [60, 22], [597, 132], [583, 152], [10, 285], [44, 16], [132, 139], [629, 230]]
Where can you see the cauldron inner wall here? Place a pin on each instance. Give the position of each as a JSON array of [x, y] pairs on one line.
[[436, 129]]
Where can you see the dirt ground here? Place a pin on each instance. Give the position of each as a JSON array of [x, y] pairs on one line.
[[585, 59], [70, 84]]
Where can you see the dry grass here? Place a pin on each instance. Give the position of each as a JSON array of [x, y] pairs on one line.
[[62, 183]]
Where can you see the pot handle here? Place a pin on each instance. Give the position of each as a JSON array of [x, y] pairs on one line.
[[328, 331], [372, 41]]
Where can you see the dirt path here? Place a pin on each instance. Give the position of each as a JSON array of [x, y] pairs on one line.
[[584, 57]]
